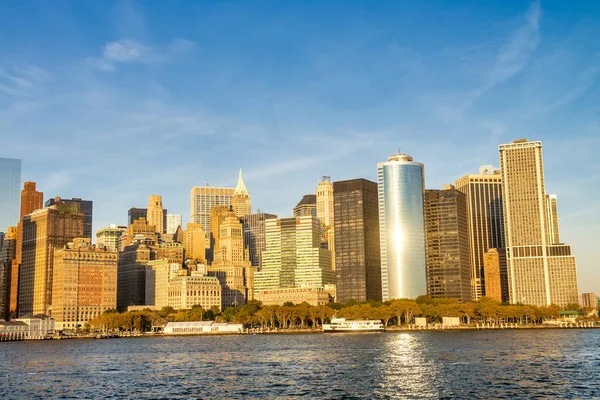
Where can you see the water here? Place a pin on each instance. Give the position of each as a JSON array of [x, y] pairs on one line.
[[468, 364]]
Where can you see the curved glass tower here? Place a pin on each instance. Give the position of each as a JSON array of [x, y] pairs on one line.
[[402, 228]]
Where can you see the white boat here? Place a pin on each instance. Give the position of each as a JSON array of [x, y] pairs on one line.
[[365, 325]]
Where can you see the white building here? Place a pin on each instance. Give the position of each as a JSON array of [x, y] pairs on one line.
[[28, 327], [173, 221], [197, 327]]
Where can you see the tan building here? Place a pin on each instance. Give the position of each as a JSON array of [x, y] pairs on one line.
[[154, 213], [8, 249], [325, 213], [241, 199], [190, 289], [172, 251], [44, 231], [552, 218], [131, 284], [194, 241], [276, 297], [217, 215], [110, 237], [540, 272], [158, 275], [202, 201], [491, 270], [485, 221], [307, 207], [231, 265], [447, 239], [293, 256], [588, 300], [84, 284], [139, 231]]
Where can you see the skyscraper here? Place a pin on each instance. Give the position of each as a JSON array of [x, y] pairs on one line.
[[173, 221], [217, 216], [485, 222], [254, 236], [552, 216], [448, 262], [202, 201], [154, 213], [293, 257], [44, 231], [356, 226], [7, 257], [10, 181], [31, 199], [241, 199], [86, 207], [84, 283], [325, 207], [400, 183], [540, 272], [194, 242], [131, 274], [307, 206]]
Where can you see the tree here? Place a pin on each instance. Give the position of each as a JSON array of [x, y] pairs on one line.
[[384, 313]]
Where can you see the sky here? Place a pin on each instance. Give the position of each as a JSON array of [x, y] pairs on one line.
[[116, 100]]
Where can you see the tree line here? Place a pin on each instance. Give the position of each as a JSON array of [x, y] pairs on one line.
[[304, 316]]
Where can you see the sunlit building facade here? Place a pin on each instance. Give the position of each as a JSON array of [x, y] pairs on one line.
[[402, 232], [241, 199], [110, 237], [173, 222], [202, 201], [86, 207], [254, 236], [154, 212]]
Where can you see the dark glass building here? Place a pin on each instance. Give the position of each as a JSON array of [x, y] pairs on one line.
[[254, 236], [10, 189], [447, 238], [85, 206], [356, 230]]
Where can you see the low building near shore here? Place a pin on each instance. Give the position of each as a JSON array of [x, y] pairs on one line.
[[29, 327], [450, 321], [315, 296], [201, 327], [421, 322]]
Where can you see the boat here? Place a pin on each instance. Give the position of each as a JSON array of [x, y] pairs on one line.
[[343, 325]]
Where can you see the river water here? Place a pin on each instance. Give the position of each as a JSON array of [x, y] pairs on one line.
[[458, 364]]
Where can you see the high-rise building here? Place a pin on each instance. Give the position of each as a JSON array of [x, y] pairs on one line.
[[158, 275], [241, 199], [131, 271], [588, 300], [84, 284], [254, 236], [552, 217], [494, 289], [86, 207], [307, 206], [293, 256], [173, 221], [446, 232], [135, 213], [194, 241], [540, 272], [400, 183], [202, 201], [139, 231], [10, 181], [154, 212], [231, 265], [485, 222], [110, 237], [8, 251], [356, 226], [217, 216], [44, 231], [324, 198], [31, 199]]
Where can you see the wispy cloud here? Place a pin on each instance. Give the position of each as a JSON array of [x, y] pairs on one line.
[[21, 80]]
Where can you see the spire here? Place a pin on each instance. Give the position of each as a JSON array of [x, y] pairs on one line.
[[240, 188]]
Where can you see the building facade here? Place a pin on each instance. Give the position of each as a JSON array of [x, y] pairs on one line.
[[307, 207], [86, 207], [588, 300], [485, 221], [400, 183], [494, 289], [241, 199], [356, 223], [44, 231], [154, 213], [84, 284], [10, 182], [254, 236], [202, 201], [194, 241], [189, 289], [158, 275], [8, 251], [131, 272], [110, 237], [447, 235], [539, 272], [173, 222]]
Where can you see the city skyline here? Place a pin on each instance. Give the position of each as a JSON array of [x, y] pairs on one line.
[[452, 132]]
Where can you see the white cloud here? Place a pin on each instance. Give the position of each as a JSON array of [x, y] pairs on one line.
[[125, 51]]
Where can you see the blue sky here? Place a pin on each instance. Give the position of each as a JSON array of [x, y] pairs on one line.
[[114, 101]]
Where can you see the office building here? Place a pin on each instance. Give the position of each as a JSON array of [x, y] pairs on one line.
[[154, 213], [494, 289], [217, 215], [139, 231], [10, 181], [307, 206], [293, 256], [84, 283], [400, 183], [241, 199], [539, 272], [446, 232], [86, 207], [110, 237], [173, 222], [31, 199], [131, 271], [172, 251], [158, 275], [194, 241], [588, 301], [202, 201], [485, 222], [254, 236], [135, 213], [44, 231], [189, 289], [552, 218], [356, 226], [8, 251]]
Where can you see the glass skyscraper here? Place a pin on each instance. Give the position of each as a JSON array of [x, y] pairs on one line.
[[402, 228], [10, 192]]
